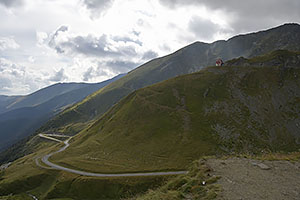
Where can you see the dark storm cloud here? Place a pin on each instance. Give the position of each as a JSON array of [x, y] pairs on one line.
[[97, 7], [249, 15], [11, 3], [203, 29]]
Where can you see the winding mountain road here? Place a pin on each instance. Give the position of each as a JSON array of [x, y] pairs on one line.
[[48, 136], [45, 160]]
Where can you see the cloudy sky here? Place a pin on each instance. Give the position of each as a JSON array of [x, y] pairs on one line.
[[43, 42]]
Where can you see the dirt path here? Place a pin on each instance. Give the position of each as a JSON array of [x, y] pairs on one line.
[[245, 179]]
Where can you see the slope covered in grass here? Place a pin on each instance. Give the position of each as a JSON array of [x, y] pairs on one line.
[[196, 184], [217, 110], [186, 60], [24, 177]]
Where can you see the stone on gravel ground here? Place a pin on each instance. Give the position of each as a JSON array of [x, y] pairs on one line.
[[261, 165]]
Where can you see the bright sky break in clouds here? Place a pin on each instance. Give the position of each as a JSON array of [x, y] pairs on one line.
[[47, 41]]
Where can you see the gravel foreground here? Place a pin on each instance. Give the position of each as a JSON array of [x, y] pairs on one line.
[[247, 179]]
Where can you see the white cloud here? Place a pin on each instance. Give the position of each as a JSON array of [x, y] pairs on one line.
[[12, 76], [16, 79], [8, 43], [41, 37], [31, 59], [92, 73]]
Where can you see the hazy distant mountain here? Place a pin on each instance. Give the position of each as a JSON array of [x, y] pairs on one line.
[[38, 97], [5, 101], [186, 60], [27, 113]]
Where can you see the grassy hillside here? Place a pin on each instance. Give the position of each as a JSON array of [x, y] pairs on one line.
[[197, 184], [219, 110], [24, 177], [187, 60]]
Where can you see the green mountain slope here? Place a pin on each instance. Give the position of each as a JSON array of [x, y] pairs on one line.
[[187, 60], [219, 110]]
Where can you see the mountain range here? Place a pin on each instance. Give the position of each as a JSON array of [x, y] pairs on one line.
[[164, 115], [31, 111], [189, 59], [186, 60]]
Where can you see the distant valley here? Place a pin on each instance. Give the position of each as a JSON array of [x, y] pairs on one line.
[[31, 111]]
